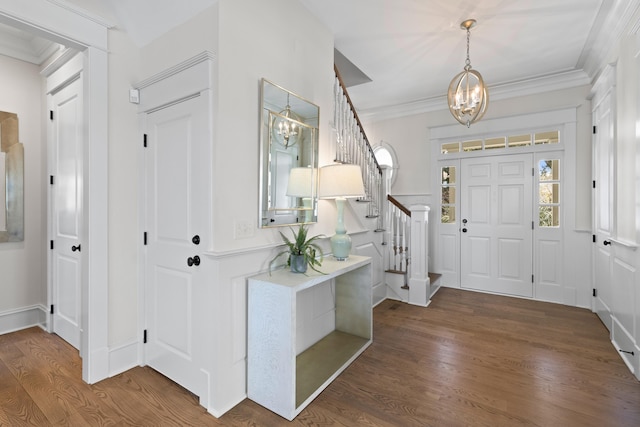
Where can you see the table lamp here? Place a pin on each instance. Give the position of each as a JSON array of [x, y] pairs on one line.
[[339, 182], [302, 184]]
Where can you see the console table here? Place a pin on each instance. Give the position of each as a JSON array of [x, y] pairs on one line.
[[277, 377]]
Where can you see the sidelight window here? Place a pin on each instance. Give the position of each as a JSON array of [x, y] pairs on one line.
[[549, 193], [448, 195]]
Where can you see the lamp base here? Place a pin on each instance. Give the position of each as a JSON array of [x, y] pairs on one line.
[[340, 246]]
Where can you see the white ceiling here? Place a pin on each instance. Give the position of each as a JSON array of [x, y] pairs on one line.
[[410, 49]]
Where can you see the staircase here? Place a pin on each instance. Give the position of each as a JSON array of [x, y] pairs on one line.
[[405, 242]]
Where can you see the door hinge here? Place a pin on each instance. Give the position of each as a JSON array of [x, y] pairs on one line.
[[594, 183], [144, 140], [144, 238], [532, 279], [594, 238], [595, 292], [50, 114], [533, 171], [533, 227], [51, 179], [51, 244], [144, 336], [51, 309], [595, 129]]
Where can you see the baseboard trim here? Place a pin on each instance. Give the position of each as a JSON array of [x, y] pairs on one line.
[[23, 318], [123, 358]]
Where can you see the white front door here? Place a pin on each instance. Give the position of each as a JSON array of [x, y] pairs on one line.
[[66, 209], [176, 215], [496, 224]]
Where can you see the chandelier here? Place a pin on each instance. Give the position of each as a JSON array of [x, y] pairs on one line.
[[285, 126], [467, 95]]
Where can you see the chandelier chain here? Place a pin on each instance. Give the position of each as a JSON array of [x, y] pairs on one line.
[[467, 63]]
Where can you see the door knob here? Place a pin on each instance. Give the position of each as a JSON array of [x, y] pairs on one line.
[[75, 248], [606, 242], [193, 261], [464, 230], [464, 221], [196, 240]]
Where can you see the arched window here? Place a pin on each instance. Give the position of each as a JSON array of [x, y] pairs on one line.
[[386, 156]]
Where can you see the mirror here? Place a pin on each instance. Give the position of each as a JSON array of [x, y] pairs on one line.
[[288, 158], [11, 180]]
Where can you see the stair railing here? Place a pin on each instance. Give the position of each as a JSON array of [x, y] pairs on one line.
[[393, 218], [399, 235], [352, 146]]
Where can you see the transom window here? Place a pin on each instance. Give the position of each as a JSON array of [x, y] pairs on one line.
[[495, 142]]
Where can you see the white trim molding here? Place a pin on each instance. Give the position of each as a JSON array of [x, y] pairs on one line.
[[23, 318]]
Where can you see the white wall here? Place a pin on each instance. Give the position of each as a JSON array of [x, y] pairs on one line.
[[23, 264], [124, 235], [297, 56]]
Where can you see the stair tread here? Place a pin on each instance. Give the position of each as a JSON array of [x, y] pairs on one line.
[[434, 276]]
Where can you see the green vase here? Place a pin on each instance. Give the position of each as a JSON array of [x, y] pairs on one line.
[[298, 263]]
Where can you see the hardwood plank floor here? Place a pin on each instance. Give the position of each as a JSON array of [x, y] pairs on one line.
[[470, 359]]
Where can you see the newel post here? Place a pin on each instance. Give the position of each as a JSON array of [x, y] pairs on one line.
[[419, 286]]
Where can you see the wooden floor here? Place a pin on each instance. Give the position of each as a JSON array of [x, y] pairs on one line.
[[469, 359]]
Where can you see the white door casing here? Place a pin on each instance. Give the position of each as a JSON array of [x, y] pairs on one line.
[[496, 224], [66, 196], [89, 36]]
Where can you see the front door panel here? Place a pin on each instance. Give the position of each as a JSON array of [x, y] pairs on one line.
[[496, 224]]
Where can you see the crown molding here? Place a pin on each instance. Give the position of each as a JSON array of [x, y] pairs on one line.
[[514, 89], [201, 57], [623, 13], [82, 12]]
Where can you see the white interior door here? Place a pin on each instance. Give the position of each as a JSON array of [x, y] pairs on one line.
[[603, 152], [496, 224], [66, 209], [177, 182]]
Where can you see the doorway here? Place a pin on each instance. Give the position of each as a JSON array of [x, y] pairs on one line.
[[46, 19]]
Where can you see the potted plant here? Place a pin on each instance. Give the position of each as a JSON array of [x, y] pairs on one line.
[[302, 252]]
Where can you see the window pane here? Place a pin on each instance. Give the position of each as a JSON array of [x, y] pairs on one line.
[[549, 216], [448, 215], [549, 170], [448, 195], [383, 157], [547, 137], [472, 145], [452, 147], [549, 193], [519, 140], [494, 143], [448, 175]]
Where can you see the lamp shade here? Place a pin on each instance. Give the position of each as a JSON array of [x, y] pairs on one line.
[[341, 180], [302, 182]]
